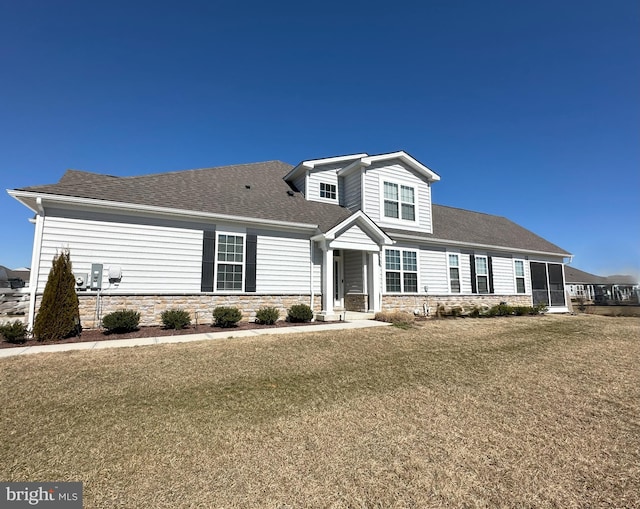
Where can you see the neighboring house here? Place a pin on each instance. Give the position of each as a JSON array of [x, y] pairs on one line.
[[601, 289], [356, 233]]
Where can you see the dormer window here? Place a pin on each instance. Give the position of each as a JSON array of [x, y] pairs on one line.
[[327, 191], [399, 202]]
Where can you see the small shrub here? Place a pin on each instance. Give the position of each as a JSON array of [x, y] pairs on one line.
[[15, 332], [500, 310], [175, 319], [539, 309], [300, 313], [521, 310], [226, 316], [124, 320], [267, 315]]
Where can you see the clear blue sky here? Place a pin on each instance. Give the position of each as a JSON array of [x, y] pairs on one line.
[[530, 110]]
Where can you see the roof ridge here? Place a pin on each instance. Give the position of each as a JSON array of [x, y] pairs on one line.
[[205, 168]]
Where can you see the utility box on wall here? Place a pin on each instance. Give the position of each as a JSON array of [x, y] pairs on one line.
[[96, 276]]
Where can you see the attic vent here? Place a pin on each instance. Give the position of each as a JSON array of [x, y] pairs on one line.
[[290, 193], [247, 186]]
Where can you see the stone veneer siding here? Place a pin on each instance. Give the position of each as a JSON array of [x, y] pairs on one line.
[[200, 307], [413, 303]]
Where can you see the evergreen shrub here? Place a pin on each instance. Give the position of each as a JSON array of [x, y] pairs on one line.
[[124, 320], [15, 332], [226, 316], [267, 315], [59, 313], [299, 313], [175, 319]]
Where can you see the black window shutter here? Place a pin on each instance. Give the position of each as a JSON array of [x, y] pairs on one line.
[[474, 285], [208, 257], [490, 264], [250, 265]]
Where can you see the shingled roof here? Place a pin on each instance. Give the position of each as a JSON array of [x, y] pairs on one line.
[[248, 190], [258, 190], [477, 228]]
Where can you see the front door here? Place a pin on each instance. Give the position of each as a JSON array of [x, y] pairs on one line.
[[338, 282]]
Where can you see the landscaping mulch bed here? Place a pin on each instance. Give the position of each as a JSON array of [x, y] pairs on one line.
[[90, 335]]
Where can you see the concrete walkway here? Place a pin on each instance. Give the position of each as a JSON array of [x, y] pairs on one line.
[[185, 338]]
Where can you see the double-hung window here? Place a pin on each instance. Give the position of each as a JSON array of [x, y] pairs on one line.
[[454, 273], [230, 262], [399, 201], [401, 271], [518, 266], [482, 274], [327, 191]]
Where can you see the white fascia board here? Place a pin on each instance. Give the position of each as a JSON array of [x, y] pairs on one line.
[[407, 159], [354, 166], [330, 160], [474, 245], [26, 196]]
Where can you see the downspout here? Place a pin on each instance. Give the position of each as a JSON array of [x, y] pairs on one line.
[[35, 262], [311, 274]]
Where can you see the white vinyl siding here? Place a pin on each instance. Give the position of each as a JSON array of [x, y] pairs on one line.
[[503, 279], [433, 271], [374, 179], [299, 183], [283, 265], [152, 258], [354, 238], [353, 272], [351, 186], [327, 175]]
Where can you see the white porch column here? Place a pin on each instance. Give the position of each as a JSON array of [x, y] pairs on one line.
[[327, 280], [375, 289]]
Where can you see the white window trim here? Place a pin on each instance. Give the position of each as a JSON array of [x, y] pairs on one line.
[[216, 262], [515, 277], [487, 275], [402, 271], [449, 267], [399, 220], [324, 198]]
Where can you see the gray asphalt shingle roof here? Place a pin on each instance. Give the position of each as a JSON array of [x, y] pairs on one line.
[[460, 225], [223, 190]]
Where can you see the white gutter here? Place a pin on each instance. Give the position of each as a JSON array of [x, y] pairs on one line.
[[35, 261], [107, 204]]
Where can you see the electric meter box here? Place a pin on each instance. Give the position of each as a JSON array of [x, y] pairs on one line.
[[96, 276]]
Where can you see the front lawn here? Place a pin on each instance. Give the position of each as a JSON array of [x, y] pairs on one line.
[[503, 412]]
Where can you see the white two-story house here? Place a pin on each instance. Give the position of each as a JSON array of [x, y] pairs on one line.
[[349, 233]]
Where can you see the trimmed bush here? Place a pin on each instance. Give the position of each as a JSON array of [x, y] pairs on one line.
[[267, 315], [124, 320], [59, 313], [522, 310], [226, 316], [500, 310], [299, 313], [175, 319], [539, 309], [15, 332]]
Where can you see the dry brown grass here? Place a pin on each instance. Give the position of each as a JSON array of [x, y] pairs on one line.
[[505, 412]]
